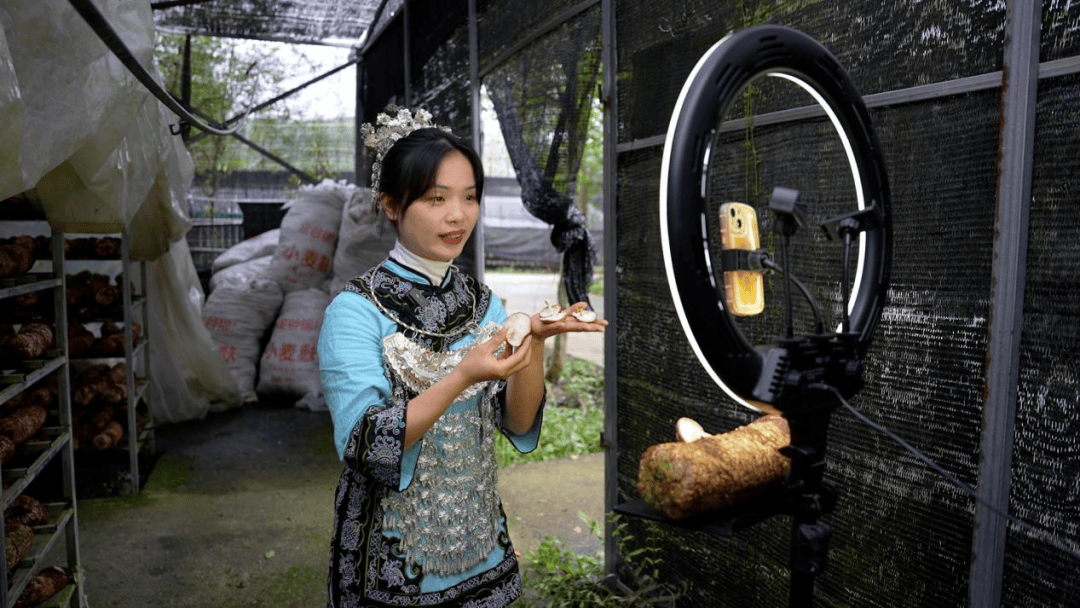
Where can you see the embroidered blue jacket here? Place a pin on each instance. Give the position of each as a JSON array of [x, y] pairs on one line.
[[373, 561]]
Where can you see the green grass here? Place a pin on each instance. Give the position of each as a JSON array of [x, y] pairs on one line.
[[573, 417], [566, 432]]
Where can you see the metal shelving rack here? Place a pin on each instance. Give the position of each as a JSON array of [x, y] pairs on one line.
[[137, 361], [63, 516]]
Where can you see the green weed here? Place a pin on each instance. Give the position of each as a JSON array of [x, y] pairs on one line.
[[561, 578], [566, 432]]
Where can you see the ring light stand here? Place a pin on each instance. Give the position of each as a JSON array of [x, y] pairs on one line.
[[802, 375]]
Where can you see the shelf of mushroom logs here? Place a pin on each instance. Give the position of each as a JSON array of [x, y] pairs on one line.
[[35, 430], [109, 357]]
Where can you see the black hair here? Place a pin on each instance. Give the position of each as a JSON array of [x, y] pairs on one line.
[[411, 166]]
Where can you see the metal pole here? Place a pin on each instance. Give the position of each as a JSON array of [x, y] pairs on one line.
[[359, 158], [407, 54], [479, 245], [185, 86], [611, 432], [1019, 92]]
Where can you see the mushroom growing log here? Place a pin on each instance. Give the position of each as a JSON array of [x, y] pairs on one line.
[[686, 478]]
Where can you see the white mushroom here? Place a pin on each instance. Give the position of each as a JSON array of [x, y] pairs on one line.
[[519, 325], [551, 312], [581, 312], [585, 316], [687, 430]]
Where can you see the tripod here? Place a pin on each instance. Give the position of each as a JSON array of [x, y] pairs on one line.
[[808, 374]]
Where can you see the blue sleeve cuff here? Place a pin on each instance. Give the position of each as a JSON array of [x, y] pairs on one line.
[[530, 439], [408, 464]]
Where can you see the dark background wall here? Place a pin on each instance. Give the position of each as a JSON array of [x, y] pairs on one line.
[[903, 536]]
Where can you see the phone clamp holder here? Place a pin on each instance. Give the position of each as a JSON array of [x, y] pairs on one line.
[[848, 225], [789, 214], [752, 260]]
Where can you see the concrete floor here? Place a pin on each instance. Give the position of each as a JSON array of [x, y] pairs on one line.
[[238, 508]]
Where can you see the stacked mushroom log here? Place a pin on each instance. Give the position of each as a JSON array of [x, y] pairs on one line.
[[99, 407]]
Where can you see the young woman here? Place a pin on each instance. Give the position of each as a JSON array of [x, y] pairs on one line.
[[419, 378]]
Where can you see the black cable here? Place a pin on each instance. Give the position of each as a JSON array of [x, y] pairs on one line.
[[766, 262], [845, 288], [785, 241], [948, 476], [112, 40]]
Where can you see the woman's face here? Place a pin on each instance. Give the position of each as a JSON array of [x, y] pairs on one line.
[[437, 225]]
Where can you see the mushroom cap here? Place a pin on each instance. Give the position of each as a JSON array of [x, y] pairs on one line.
[[687, 430], [551, 312], [585, 316], [519, 325]]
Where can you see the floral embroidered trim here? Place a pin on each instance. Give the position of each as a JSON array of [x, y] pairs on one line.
[[434, 316]]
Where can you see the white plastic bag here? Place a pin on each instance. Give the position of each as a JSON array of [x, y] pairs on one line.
[[290, 363], [242, 274], [237, 317], [309, 231], [256, 247], [363, 241]]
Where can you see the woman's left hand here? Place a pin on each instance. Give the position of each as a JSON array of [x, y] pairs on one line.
[[545, 329]]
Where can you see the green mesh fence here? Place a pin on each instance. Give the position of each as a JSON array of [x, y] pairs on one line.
[[321, 148]]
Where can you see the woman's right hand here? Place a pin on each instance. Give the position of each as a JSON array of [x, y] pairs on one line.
[[481, 364]]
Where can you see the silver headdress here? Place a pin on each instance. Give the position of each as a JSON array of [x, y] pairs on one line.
[[387, 130]]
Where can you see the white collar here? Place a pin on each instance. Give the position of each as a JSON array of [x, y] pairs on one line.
[[432, 270]]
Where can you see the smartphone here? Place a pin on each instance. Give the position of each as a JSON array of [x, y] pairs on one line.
[[744, 290]]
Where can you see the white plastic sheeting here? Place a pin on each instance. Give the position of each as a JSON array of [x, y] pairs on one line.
[[80, 131], [189, 377], [96, 149]]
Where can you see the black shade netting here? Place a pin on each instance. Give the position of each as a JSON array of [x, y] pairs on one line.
[[280, 20], [504, 24], [1046, 454], [660, 380], [382, 76], [440, 69], [440, 76], [1060, 34], [542, 96], [902, 535], [883, 46]]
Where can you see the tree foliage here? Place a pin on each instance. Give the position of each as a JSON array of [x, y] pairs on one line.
[[227, 77]]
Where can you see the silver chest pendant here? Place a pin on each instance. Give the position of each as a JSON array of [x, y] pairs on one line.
[[448, 517]]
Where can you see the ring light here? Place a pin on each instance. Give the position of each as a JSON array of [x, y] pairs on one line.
[[743, 371]]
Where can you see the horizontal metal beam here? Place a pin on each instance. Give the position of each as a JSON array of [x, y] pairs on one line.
[[174, 3], [270, 102], [959, 86]]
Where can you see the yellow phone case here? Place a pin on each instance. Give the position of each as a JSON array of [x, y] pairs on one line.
[[744, 290]]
